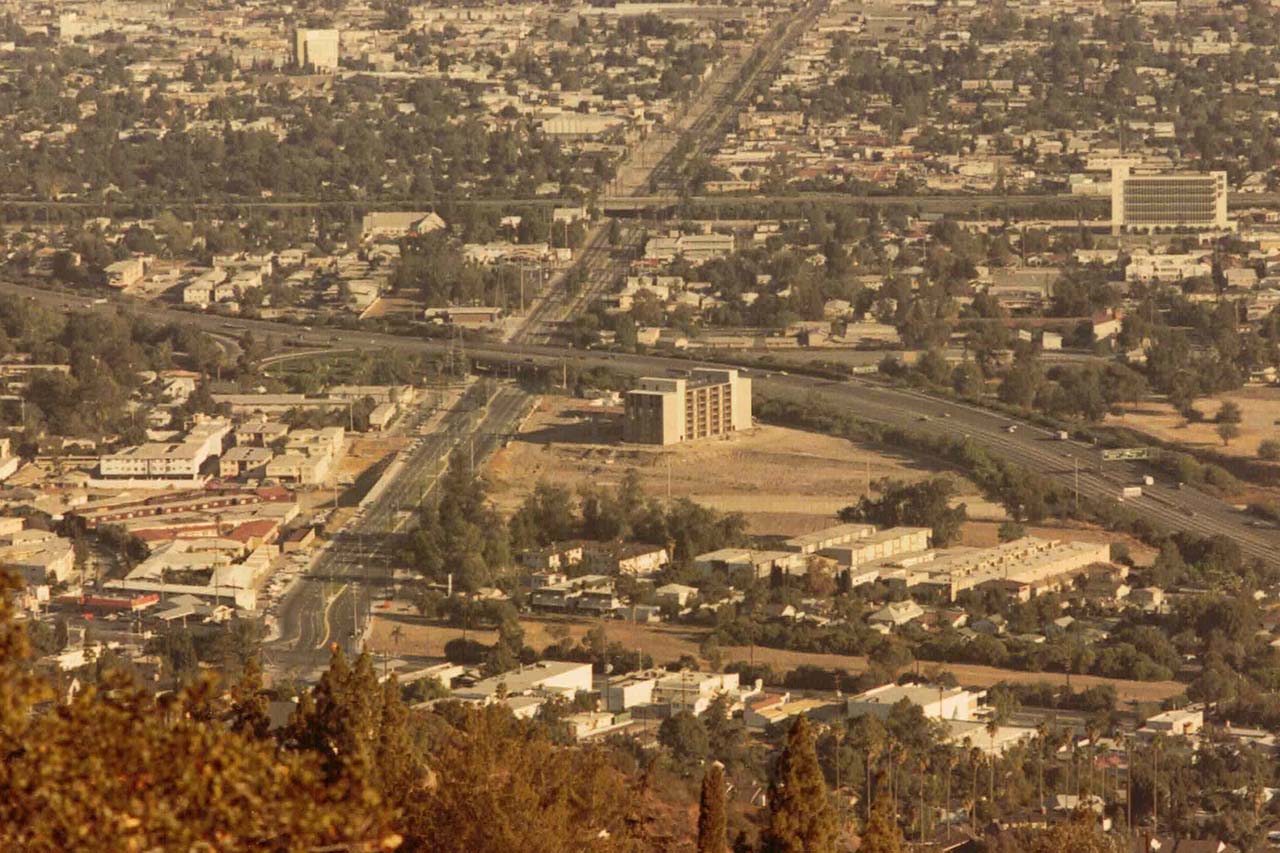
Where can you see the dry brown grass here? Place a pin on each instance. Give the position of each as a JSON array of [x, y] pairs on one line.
[[1259, 406], [785, 481]]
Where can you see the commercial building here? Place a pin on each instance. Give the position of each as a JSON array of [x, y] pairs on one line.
[[707, 404], [828, 537], [1147, 268], [1021, 569], [1178, 722], [879, 545], [316, 50], [383, 225], [937, 703], [179, 460], [1146, 202], [126, 273], [735, 562], [526, 689], [37, 556]]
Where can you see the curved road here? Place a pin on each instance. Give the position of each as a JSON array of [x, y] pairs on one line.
[[1029, 446]]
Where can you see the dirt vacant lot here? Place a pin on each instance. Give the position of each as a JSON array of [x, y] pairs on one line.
[[1259, 407], [784, 481], [668, 643]]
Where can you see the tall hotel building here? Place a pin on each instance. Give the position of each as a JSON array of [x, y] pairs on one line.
[[707, 404], [1146, 202]]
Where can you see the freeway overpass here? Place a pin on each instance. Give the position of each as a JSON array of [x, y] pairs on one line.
[[657, 205], [1029, 446]]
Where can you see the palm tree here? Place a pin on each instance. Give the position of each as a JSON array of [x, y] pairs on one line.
[[1042, 733], [873, 752], [992, 728], [952, 759], [923, 764], [893, 777], [975, 758], [1092, 730]]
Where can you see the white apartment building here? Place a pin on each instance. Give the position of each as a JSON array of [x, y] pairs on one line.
[[316, 50], [710, 403], [1147, 267], [177, 460]]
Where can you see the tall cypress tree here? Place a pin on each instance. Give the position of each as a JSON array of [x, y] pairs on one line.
[[711, 812], [801, 819]]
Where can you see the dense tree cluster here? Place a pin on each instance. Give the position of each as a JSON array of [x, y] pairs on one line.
[[923, 504], [552, 513], [105, 353]]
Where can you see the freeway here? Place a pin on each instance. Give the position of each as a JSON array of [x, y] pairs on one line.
[[625, 198], [1164, 504], [331, 603]]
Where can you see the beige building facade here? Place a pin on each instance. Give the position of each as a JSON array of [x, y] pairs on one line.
[[706, 404]]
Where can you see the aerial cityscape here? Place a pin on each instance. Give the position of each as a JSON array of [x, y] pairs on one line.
[[709, 425]]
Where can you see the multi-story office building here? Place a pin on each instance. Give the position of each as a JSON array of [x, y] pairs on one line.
[[1146, 202], [316, 50], [706, 404]]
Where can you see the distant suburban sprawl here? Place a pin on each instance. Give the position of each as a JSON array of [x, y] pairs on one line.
[[640, 427]]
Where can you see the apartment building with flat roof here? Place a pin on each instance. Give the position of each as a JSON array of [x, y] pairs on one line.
[[707, 404]]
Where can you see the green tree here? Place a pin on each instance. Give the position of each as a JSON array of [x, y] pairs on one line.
[[1227, 431], [801, 819], [924, 504], [686, 737], [117, 768], [1081, 834], [882, 833], [501, 784], [711, 812], [1011, 530], [1269, 450]]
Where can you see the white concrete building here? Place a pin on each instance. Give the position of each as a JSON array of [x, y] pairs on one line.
[[937, 703], [316, 50], [165, 461]]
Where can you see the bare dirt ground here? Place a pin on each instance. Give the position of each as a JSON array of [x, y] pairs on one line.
[[667, 643], [365, 451], [1260, 407], [784, 481], [390, 306]]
